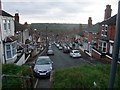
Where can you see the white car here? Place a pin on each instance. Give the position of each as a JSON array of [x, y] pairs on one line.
[[50, 52], [60, 48], [43, 66], [57, 45], [75, 53]]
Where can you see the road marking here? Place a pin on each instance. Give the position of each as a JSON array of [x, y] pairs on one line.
[[36, 83]]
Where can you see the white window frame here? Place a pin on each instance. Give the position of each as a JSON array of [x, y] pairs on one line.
[[119, 53], [111, 48], [5, 25], [9, 25], [11, 49], [104, 30], [103, 46]]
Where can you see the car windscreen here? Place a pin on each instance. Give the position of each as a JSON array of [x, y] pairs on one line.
[[43, 61], [76, 52]]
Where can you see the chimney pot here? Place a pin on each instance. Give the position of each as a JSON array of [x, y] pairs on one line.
[[108, 11], [16, 17], [90, 22]]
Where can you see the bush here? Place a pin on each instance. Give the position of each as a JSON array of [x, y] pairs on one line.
[[14, 70]]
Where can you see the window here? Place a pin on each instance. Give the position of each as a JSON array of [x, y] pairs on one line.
[[5, 25], [13, 49], [119, 53], [10, 50], [102, 46], [8, 25], [104, 30]]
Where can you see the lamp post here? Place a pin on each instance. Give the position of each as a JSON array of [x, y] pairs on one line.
[[46, 39], [115, 51]]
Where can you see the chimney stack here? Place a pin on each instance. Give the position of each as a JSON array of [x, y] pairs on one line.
[[108, 11], [89, 22], [16, 17], [0, 8]]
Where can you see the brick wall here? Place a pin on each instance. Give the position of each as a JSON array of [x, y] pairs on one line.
[[96, 54], [108, 58]]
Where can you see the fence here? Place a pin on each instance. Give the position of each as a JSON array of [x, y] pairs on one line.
[[17, 82]]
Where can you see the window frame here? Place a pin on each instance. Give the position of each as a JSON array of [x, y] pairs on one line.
[[104, 30], [102, 47], [11, 50], [5, 25]]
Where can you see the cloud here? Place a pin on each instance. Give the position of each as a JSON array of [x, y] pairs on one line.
[[76, 11]]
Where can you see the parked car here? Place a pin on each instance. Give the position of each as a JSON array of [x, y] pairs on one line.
[[50, 52], [60, 48], [57, 45], [66, 49], [75, 53], [42, 67], [49, 47]]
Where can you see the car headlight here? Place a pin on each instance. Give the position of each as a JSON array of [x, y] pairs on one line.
[[50, 69], [35, 69]]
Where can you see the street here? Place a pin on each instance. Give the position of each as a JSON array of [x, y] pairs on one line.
[[63, 60], [60, 61]]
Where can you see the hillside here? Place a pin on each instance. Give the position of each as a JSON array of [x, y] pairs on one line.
[[56, 26]]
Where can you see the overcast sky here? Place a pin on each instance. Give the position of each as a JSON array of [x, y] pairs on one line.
[[59, 11]]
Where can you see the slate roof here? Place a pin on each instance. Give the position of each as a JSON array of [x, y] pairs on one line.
[[20, 27], [110, 21], [10, 39], [93, 28], [81, 33], [6, 14], [104, 38]]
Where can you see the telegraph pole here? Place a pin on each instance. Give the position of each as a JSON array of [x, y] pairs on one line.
[[115, 51]]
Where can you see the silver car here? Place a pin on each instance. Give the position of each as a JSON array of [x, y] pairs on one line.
[[42, 67]]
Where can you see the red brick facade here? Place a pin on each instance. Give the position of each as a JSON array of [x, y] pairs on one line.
[[96, 54]]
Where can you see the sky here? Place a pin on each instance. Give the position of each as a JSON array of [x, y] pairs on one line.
[[59, 11]]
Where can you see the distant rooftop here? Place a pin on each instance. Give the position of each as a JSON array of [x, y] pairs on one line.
[[110, 21], [6, 14], [93, 28]]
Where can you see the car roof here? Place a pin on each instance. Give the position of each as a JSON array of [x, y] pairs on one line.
[[75, 50], [43, 57]]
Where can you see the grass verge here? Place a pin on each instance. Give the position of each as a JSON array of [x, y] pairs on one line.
[[84, 77]]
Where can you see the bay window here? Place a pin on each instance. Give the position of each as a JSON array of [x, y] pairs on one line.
[[10, 49], [102, 46]]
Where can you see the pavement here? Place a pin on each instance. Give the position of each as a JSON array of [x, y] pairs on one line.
[[93, 60]]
